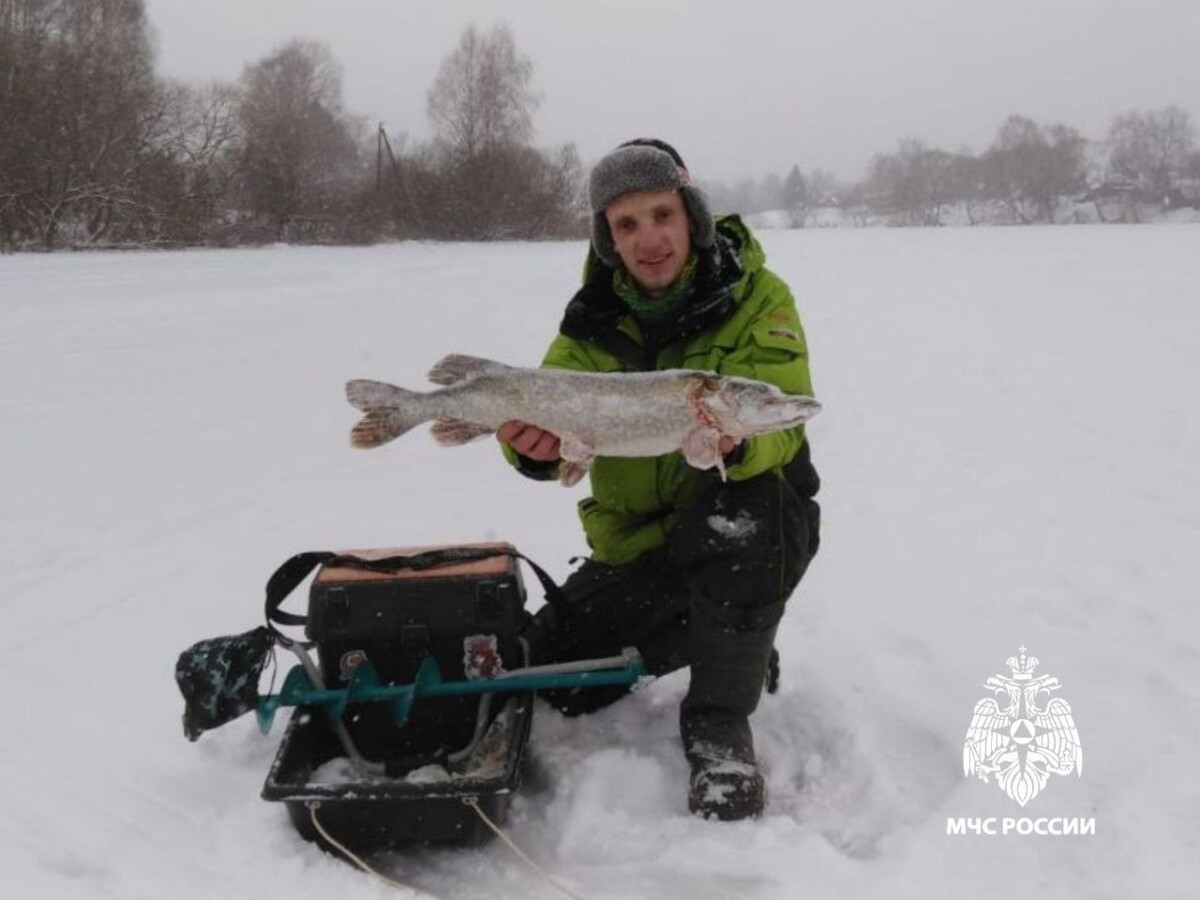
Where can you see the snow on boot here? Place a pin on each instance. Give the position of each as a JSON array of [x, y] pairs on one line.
[[772, 683], [725, 782]]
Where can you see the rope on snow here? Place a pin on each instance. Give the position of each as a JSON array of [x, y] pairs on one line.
[[350, 855], [474, 804]]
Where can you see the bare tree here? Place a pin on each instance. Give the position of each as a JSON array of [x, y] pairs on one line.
[[481, 100], [770, 191], [823, 188], [186, 186], [1191, 179], [1012, 161], [913, 184], [1066, 163], [795, 197], [80, 111], [1029, 168], [966, 184], [490, 182], [299, 156], [1151, 151], [556, 204]]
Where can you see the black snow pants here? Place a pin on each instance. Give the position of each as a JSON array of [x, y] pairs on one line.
[[729, 565]]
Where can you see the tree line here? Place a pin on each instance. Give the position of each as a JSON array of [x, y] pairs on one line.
[[1147, 163], [96, 149]]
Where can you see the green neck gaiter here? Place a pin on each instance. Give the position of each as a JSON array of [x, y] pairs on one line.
[[667, 304]]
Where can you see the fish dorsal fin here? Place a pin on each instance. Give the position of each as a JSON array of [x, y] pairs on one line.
[[457, 367]]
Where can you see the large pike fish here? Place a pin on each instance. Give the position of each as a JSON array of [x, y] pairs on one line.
[[593, 414]]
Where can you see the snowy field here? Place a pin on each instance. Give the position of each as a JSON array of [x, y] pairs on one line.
[[1010, 453]]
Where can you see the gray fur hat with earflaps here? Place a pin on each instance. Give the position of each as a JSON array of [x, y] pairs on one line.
[[644, 164]]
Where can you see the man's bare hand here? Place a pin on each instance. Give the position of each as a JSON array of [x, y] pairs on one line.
[[529, 440], [727, 443]]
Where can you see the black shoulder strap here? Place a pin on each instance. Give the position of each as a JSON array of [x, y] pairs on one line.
[[289, 575]]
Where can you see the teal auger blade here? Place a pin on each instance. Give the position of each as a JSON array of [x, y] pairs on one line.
[[295, 688], [428, 675], [365, 687]]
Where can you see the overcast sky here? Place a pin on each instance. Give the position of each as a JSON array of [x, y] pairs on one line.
[[742, 87]]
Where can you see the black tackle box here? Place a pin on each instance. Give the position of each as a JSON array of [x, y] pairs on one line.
[[467, 616]]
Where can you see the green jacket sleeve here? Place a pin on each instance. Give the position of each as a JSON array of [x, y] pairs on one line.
[[773, 349]]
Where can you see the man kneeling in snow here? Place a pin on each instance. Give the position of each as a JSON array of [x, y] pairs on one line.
[[691, 570]]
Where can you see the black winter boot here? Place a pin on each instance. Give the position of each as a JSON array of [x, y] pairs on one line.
[[725, 782], [729, 669]]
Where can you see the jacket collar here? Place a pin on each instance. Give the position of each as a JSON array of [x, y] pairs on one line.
[[595, 313]]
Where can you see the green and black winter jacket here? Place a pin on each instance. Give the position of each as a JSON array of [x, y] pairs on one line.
[[740, 320]]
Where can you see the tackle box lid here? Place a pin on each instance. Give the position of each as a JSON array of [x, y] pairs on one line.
[[491, 567]]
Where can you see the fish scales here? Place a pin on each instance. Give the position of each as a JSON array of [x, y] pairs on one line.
[[633, 412]]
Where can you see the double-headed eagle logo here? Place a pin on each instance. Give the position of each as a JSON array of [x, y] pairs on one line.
[[1022, 735]]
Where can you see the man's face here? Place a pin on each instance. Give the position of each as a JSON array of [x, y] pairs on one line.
[[652, 235]]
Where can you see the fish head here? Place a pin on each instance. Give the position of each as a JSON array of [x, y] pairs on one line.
[[742, 407]]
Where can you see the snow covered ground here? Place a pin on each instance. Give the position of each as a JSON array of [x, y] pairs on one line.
[[1009, 449]]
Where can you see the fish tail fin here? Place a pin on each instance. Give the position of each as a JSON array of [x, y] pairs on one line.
[[390, 412], [378, 427], [368, 395]]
